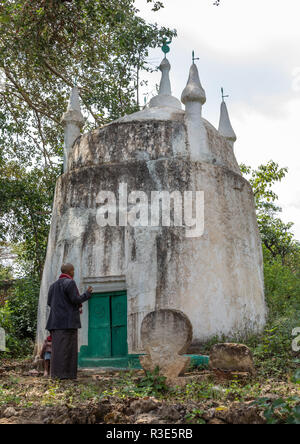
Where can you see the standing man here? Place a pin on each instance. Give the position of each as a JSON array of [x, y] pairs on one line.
[[65, 302]]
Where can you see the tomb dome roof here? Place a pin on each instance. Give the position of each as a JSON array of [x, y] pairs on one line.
[[159, 131]]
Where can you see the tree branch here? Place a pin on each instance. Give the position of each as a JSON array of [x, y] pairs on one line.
[[27, 98], [62, 77]]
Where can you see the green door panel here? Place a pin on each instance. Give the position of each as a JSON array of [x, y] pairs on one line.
[[99, 326], [119, 325], [99, 312], [100, 343], [119, 341], [119, 310]]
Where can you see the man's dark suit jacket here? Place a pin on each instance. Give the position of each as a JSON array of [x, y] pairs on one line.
[[64, 301]]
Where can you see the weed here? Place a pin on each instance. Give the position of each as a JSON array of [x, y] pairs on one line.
[[195, 417], [281, 411]]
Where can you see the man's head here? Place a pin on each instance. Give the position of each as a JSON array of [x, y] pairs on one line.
[[68, 269]]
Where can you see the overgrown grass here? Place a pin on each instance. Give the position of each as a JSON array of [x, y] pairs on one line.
[[129, 385]]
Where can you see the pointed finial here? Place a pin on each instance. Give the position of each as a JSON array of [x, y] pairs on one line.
[[164, 97], [193, 92], [73, 121], [225, 128], [165, 84], [74, 102]]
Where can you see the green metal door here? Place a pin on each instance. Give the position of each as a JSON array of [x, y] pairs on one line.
[[108, 325]]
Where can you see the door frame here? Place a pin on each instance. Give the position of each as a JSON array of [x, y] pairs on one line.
[[111, 294], [105, 284], [100, 284]]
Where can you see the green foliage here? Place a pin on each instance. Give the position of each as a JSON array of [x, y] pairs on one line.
[[46, 46], [281, 411], [156, 5], [202, 390], [5, 273], [296, 375], [51, 394], [22, 306], [153, 383], [25, 211], [276, 235], [282, 286], [262, 181], [195, 417], [228, 391], [273, 349], [8, 397], [18, 316]]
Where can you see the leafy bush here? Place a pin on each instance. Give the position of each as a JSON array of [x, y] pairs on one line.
[[282, 287], [281, 411], [22, 306], [195, 417], [273, 349], [153, 383], [18, 317]]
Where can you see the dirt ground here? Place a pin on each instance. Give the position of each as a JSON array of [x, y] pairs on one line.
[[120, 397]]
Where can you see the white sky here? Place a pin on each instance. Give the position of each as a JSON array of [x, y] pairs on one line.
[[251, 48]]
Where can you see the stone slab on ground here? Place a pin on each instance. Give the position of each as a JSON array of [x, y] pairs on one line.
[[166, 334], [232, 357]]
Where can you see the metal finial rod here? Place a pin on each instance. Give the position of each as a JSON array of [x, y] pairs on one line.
[[223, 97], [194, 58]]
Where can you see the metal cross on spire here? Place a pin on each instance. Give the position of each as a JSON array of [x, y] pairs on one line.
[[194, 58], [223, 97]]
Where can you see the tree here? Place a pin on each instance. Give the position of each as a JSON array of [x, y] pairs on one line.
[[25, 211], [46, 46], [276, 235]]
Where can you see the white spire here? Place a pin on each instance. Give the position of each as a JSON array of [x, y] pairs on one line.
[[73, 121], [164, 97], [193, 96], [165, 84], [225, 128]]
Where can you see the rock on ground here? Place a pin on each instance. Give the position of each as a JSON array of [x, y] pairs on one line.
[[234, 357]]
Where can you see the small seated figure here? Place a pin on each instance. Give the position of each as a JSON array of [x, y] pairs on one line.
[[46, 355]]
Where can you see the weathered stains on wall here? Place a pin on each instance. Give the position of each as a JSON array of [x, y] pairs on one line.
[[216, 279], [145, 140], [221, 149], [123, 142]]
